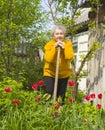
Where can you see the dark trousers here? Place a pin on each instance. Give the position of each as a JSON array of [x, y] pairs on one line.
[[61, 88]]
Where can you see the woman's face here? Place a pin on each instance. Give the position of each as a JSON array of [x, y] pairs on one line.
[[59, 35]]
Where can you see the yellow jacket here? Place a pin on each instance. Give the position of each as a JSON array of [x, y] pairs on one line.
[[50, 56]]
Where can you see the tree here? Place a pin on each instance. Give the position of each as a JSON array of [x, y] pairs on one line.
[[21, 35]]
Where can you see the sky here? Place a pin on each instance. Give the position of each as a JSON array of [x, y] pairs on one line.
[[50, 23]]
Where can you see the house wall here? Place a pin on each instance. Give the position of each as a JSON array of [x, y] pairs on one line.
[[81, 40], [96, 68]]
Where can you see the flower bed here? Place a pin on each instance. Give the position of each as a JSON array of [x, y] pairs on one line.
[[34, 110]]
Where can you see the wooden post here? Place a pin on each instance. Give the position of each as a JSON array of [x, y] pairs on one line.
[[56, 76]]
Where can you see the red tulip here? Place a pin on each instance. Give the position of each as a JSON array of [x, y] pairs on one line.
[[98, 106], [71, 83], [87, 98], [35, 86], [15, 101], [57, 106], [71, 100], [40, 83], [56, 114], [7, 89], [92, 95], [38, 98], [100, 95]]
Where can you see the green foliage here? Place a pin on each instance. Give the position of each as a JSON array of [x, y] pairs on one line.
[[94, 2], [65, 12], [94, 48], [92, 25], [83, 74], [41, 114], [69, 12], [6, 98], [33, 72], [21, 36]]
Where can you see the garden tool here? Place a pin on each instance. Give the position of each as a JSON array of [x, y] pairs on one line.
[[56, 76]]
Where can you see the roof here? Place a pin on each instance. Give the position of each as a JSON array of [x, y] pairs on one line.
[[83, 18], [90, 3]]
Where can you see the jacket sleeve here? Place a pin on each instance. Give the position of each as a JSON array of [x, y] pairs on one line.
[[50, 53], [68, 50]]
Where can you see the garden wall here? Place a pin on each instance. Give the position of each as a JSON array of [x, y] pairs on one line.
[[96, 67]]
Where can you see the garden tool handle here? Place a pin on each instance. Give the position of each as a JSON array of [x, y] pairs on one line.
[[56, 76]]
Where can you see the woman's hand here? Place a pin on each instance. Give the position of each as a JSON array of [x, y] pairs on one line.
[[59, 44]]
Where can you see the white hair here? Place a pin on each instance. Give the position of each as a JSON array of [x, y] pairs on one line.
[[61, 27]]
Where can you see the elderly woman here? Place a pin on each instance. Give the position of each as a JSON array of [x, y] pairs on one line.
[[66, 55]]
